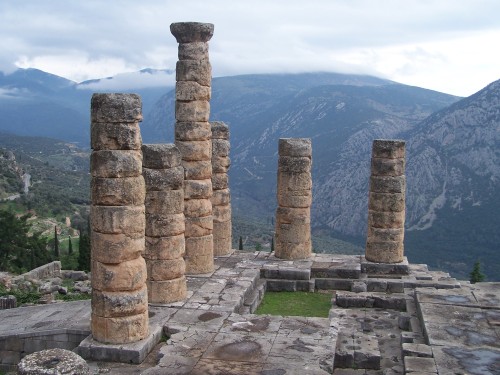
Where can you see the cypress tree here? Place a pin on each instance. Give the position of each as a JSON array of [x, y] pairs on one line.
[[84, 251], [56, 243], [240, 245], [272, 244], [70, 246], [476, 276]]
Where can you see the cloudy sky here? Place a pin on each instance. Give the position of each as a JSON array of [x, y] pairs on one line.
[[445, 45]]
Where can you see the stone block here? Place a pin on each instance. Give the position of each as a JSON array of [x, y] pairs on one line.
[[305, 285], [121, 277], [295, 147], [198, 207], [160, 156], [115, 304], [196, 189], [167, 291], [195, 150], [220, 130], [164, 202], [386, 220], [220, 164], [172, 247], [115, 108], [416, 350], [384, 252], [220, 147], [199, 71], [116, 163], [192, 131], [53, 361], [163, 179], [291, 164], [291, 215], [388, 149], [394, 202], [288, 250], [221, 197], [116, 248], [294, 182], [120, 330], [189, 32], [295, 201], [385, 184], [202, 264], [222, 245], [222, 229], [387, 167], [220, 181], [274, 285], [333, 284], [198, 246], [197, 170], [115, 136], [191, 90], [375, 268], [118, 219], [193, 51], [296, 233], [199, 226], [358, 287], [161, 270], [164, 225], [385, 234], [416, 364], [376, 285], [222, 213], [128, 191]]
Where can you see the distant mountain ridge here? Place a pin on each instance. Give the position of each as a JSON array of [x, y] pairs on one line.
[[452, 150]]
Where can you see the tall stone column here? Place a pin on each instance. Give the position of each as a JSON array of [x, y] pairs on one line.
[[193, 138], [119, 293], [293, 215], [165, 246], [386, 204], [221, 198]]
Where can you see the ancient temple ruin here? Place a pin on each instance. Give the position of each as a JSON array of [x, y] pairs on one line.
[[171, 205]]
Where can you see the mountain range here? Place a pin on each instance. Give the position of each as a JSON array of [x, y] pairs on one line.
[[452, 147]]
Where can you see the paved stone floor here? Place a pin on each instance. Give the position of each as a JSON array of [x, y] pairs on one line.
[[422, 322]]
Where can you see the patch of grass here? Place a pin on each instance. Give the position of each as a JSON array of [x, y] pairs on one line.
[[296, 304], [22, 296]]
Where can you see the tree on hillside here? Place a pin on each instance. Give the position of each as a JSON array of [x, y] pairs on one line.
[[272, 244], [476, 276], [84, 250], [19, 251], [70, 246], [56, 243], [240, 244]]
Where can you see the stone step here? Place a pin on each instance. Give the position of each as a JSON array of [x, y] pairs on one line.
[[357, 350], [252, 301], [395, 301]]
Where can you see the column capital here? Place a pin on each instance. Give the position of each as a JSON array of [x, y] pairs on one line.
[[189, 32]]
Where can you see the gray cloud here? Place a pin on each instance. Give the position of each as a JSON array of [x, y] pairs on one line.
[[93, 38]]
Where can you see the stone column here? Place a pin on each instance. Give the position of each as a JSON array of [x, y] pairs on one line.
[[221, 198], [293, 215], [165, 246], [386, 204], [119, 293], [193, 138]]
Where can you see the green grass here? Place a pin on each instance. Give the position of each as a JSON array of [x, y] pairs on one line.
[[296, 304]]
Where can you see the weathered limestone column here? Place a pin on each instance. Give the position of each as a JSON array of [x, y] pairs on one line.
[[193, 138], [221, 198], [164, 177], [386, 205], [293, 215], [117, 217]]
